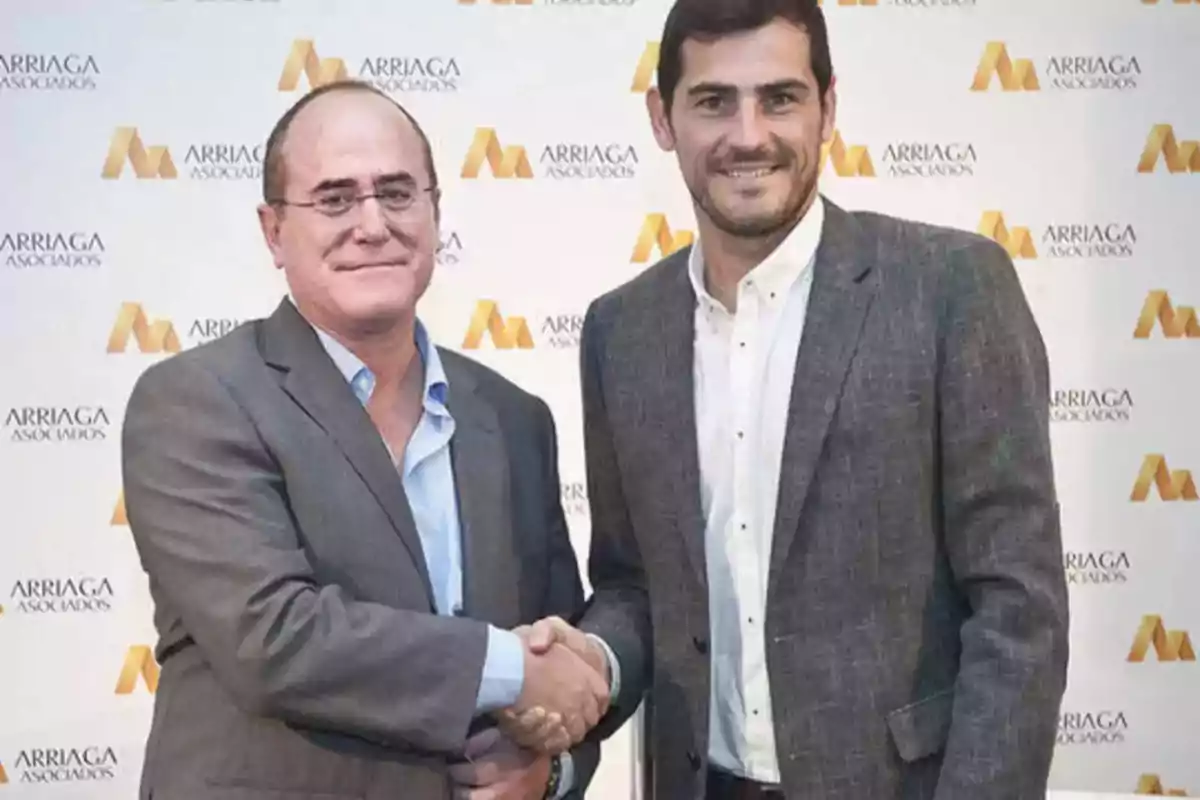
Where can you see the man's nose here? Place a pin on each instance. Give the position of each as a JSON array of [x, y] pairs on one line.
[[751, 128], [372, 224]]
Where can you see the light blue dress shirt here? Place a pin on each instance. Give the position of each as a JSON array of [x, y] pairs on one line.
[[428, 477]]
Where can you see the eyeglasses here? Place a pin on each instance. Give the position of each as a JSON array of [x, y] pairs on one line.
[[337, 202]]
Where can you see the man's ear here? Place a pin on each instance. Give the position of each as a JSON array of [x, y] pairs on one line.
[[269, 221], [660, 121], [829, 110]]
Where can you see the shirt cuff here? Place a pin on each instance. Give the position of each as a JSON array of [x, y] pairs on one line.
[[567, 781], [503, 671], [614, 667]]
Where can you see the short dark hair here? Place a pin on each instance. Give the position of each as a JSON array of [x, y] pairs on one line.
[[709, 20], [274, 172]]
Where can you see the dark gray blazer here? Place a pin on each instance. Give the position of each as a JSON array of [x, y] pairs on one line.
[[301, 655], [916, 620]]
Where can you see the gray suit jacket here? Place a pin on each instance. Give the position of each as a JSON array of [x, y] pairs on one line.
[[916, 620], [301, 655]]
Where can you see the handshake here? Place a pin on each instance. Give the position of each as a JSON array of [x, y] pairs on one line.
[[566, 688]]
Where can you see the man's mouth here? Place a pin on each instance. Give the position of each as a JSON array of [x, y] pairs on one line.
[[368, 265], [750, 171]]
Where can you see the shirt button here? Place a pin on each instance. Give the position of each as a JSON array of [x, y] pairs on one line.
[[740, 434]]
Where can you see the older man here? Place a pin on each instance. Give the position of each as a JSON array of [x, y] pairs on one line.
[[342, 523]]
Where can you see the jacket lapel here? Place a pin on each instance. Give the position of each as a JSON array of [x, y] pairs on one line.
[[672, 365], [491, 571], [314, 382], [833, 323]]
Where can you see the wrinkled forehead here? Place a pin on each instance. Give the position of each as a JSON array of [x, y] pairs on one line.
[[352, 137]]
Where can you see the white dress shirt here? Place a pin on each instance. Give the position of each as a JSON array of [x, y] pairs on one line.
[[744, 364]]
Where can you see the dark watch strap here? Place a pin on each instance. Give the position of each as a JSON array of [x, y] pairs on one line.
[[555, 778]]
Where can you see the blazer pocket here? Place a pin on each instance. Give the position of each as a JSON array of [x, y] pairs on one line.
[[920, 729]]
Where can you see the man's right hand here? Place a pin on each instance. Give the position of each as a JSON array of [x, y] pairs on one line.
[[565, 687], [565, 692], [546, 633]]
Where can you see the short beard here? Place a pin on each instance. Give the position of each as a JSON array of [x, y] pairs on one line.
[[761, 226], [766, 225]]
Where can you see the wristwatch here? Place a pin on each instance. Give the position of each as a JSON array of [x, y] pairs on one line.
[[555, 778]]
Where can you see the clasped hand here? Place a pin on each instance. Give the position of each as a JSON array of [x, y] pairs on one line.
[[566, 688]]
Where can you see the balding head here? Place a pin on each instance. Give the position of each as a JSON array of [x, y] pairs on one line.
[[317, 104]]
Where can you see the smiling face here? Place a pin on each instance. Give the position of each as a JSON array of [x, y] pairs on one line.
[[355, 267], [747, 123]]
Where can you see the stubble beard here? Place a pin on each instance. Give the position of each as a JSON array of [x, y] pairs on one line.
[[767, 224]]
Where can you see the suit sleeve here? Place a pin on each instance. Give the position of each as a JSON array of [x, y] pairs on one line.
[[564, 592], [619, 609], [1002, 532], [208, 509]]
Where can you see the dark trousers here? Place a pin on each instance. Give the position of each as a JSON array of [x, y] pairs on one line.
[[727, 786]]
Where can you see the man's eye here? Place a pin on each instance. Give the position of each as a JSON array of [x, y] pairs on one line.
[[334, 202], [395, 195], [781, 100]]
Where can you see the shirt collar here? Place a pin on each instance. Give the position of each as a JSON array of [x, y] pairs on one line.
[[777, 273], [362, 380]]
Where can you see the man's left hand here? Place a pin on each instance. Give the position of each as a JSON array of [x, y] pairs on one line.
[[499, 769]]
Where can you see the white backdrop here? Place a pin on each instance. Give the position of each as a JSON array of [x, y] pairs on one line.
[[1066, 129]]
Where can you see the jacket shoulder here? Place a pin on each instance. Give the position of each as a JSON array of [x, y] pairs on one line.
[[646, 289], [226, 359], [894, 239], [502, 392]]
